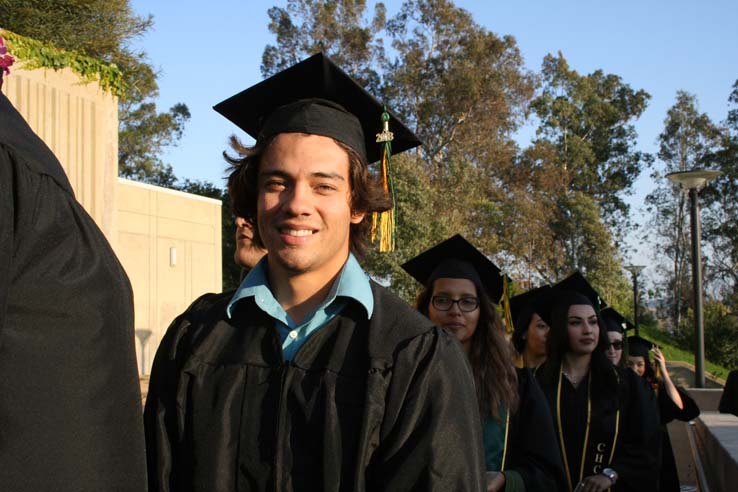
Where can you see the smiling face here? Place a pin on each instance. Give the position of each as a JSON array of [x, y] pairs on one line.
[[536, 337], [303, 205], [457, 322], [583, 329], [614, 350], [638, 364]]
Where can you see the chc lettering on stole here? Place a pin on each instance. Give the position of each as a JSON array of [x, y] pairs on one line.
[[599, 458]]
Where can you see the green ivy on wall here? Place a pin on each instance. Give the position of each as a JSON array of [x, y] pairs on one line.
[[37, 54]]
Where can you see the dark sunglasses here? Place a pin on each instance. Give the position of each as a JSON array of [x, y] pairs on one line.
[[615, 345]]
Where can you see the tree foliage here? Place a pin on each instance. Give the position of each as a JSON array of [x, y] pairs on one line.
[[337, 28], [720, 332], [588, 118], [465, 91], [721, 209], [564, 195], [689, 140], [104, 29]]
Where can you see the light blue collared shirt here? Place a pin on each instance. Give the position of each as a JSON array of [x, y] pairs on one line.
[[351, 283]]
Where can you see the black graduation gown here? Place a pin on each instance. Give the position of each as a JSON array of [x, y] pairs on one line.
[[532, 445], [668, 411], [70, 403], [383, 404], [729, 398], [637, 443]]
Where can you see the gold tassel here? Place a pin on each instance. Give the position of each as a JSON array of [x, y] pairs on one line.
[[507, 312], [383, 223]]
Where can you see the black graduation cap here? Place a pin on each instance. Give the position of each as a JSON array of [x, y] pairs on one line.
[[614, 321], [318, 98], [564, 290], [456, 258], [538, 300], [638, 346], [577, 283]]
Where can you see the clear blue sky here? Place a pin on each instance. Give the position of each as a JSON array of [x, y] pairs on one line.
[[207, 51]]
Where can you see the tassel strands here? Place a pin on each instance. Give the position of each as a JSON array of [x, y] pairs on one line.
[[383, 223], [507, 311]]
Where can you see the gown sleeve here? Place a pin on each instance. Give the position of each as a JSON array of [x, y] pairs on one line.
[[162, 413], [729, 398], [639, 442], [430, 437], [669, 411], [533, 450]]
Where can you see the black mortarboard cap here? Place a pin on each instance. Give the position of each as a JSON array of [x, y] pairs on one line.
[[318, 98], [638, 346], [568, 290], [456, 258], [614, 321], [538, 300], [577, 283]]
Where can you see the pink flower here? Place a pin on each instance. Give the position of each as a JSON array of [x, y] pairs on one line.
[[5, 59]]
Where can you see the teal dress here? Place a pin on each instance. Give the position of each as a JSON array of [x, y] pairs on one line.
[[494, 441], [531, 460]]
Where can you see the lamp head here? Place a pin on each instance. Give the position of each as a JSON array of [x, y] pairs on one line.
[[693, 179]]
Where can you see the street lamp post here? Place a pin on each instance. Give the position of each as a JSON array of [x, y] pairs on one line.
[[692, 181], [635, 270]]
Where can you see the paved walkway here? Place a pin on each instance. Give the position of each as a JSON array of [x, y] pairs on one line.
[[682, 374]]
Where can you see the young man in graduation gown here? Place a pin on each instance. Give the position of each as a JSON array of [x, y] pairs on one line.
[[311, 376], [70, 403]]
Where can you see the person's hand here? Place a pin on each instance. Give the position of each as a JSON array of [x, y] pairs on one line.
[[658, 356], [594, 483], [496, 483]]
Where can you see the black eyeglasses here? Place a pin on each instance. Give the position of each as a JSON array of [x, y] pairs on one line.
[[616, 345], [444, 303]]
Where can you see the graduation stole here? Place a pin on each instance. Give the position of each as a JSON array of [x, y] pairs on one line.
[[501, 465], [504, 444], [600, 437]]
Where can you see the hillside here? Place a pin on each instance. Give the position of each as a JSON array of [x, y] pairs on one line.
[[676, 354]]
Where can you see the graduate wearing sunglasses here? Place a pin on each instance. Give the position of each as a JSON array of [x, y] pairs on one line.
[[461, 288], [615, 326]]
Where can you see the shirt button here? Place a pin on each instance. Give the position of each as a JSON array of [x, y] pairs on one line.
[[293, 334]]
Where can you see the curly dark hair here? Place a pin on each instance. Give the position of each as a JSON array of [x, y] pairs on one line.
[[490, 356], [367, 193]]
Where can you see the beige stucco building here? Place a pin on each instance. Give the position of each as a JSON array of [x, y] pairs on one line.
[[168, 241]]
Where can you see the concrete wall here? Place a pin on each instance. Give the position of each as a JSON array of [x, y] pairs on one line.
[[79, 123], [716, 443], [169, 243]]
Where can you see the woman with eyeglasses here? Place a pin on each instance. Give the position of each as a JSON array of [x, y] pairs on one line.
[[673, 403], [606, 419], [460, 284]]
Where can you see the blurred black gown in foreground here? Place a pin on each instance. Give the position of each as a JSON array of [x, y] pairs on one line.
[[70, 404]]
